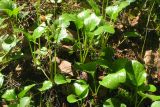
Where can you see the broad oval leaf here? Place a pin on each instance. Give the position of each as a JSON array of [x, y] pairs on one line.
[[136, 73], [25, 102], [81, 88], [155, 104], [112, 81], [25, 90], [46, 85], [9, 95], [60, 79], [72, 98], [84, 14]]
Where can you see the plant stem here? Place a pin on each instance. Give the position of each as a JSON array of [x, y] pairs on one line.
[[146, 31]]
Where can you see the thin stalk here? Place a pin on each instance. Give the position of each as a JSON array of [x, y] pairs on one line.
[[136, 97], [140, 101], [146, 31]]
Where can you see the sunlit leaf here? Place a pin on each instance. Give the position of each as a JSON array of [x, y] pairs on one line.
[[38, 32], [25, 90], [9, 43], [46, 85], [155, 104], [72, 98], [113, 11], [113, 80], [136, 73], [25, 102], [80, 87], [9, 95], [1, 80], [91, 22]]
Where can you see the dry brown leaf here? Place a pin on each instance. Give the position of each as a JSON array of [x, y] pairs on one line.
[[66, 67], [148, 57]]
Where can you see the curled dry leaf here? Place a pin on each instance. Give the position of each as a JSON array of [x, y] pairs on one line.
[[134, 21], [56, 59], [148, 57], [66, 67]]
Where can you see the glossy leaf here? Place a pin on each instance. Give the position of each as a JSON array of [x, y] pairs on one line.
[[80, 87], [1, 80], [60, 79], [72, 98], [25, 102], [155, 104], [92, 22], [46, 85], [25, 90], [112, 102], [112, 81], [136, 73], [9, 95]]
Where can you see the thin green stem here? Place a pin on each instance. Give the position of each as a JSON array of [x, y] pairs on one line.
[[146, 31]]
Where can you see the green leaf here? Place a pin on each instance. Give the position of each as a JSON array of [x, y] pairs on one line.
[[131, 34], [80, 87], [112, 81], [94, 6], [136, 73], [155, 104], [9, 95], [119, 64], [60, 79], [92, 22], [103, 29], [113, 11], [84, 14], [1, 80], [65, 19], [46, 85], [149, 87], [112, 102], [150, 96], [38, 32], [62, 35], [9, 43], [25, 102], [91, 66], [25, 90], [72, 98]]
